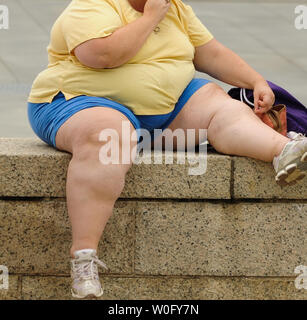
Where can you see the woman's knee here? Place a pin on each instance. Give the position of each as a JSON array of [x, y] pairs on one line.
[[106, 181], [87, 169], [105, 149], [97, 163]]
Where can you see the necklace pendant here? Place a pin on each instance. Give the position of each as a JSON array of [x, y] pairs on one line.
[[157, 29]]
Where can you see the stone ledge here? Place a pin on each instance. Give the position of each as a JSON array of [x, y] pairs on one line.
[[165, 288], [254, 179], [30, 168], [14, 291], [162, 238]]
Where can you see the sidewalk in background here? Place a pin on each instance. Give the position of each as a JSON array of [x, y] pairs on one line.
[[262, 33]]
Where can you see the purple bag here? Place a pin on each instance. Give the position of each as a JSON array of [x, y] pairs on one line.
[[296, 111]]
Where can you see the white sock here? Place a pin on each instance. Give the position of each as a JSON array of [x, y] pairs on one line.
[[84, 251]]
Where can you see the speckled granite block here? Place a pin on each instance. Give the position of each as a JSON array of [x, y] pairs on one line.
[[35, 237], [231, 288], [164, 288], [261, 239], [14, 291], [256, 179], [168, 181], [115, 288], [30, 168]]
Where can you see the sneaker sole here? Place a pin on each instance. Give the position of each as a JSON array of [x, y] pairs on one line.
[[292, 173], [89, 296]]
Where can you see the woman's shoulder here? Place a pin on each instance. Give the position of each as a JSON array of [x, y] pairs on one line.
[[79, 10], [93, 5], [180, 5], [184, 10]]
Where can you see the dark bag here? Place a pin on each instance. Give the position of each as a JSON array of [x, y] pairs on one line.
[[296, 111]]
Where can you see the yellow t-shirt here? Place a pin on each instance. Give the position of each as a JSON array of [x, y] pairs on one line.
[[149, 83]]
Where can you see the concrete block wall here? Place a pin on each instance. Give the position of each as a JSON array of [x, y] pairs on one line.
[[231, 233]]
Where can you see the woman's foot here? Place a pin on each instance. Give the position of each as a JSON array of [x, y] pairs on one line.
[[84, 273], [291, 164]]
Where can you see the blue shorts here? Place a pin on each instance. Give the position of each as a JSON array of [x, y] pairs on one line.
[[47, 118]]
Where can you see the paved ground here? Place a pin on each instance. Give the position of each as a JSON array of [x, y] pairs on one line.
[[261, 32]]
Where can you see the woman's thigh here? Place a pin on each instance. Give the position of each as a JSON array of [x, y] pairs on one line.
[[86, 126], [199, 111]]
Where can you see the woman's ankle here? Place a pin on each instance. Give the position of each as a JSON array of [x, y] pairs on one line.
[[280, 147], [84, 246]]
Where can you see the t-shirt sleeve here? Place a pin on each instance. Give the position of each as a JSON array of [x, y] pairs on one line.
[[198, 33], [84, 23]]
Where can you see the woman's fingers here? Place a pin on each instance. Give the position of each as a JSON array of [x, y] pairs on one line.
[[156, 9], [263, 107], [264, 99]]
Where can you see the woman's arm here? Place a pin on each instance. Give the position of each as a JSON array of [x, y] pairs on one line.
[[125, 42], [223, 64]]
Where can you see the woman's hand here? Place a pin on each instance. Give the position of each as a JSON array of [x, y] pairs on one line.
[[156, 9], [223, 64], [264, 97]]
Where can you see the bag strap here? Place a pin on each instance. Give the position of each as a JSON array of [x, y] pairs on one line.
[[243, 97]]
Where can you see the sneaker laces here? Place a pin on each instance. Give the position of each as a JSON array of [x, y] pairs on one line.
[[296, 136], [87, 269]]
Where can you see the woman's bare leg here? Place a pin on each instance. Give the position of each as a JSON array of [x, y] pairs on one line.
[[92, 187], [233, 128]]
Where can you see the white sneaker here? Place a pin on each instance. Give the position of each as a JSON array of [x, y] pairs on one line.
[[295, 136], [291, 164], [84, 273]]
